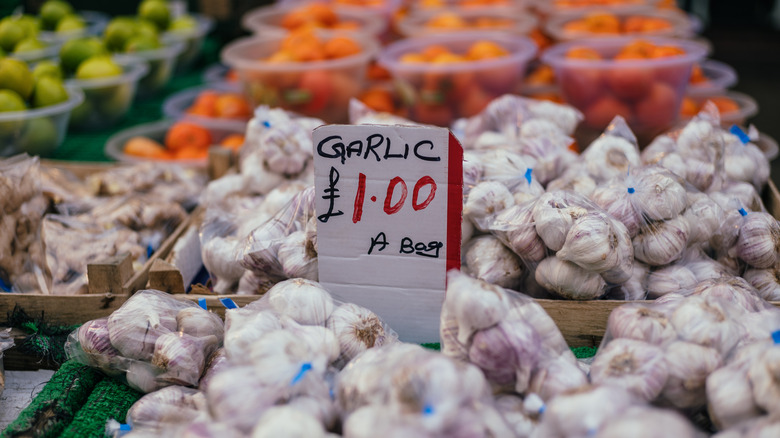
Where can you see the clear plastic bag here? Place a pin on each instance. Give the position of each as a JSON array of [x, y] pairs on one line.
[[153, 340]]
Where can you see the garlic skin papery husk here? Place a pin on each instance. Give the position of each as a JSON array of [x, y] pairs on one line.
[[280, 357], [641, 322], [166, 407], [303, 300], [319, 407], [512, 408], [385, 421], [243, 327], [637, 366], [759, 240], [581, 412], [708, 322], [745, 162], [573, 180], [507, 353], [236, 397], [661, 243], [743, 192], [93, 338], [252, 283], [555, 377], [285, 149], [593, 243], [615, 199], [660, 194], [554, 214], [634, 288], [320, 340], [489, 260], [288, 422], [182, 357], [473, 304], [689, 366], [730, 397], [215, 363], [198, 323], [733, 290], [704, 217], [670, 279], [766, 282], [135, 327], [277, 198], [358, 329], [298, 257], [485, 200], [648, 422], [610, 157], [504, 166], [564, 116], [705, 268], [142, 376], [764, 376], [569, 280], [528, 189]]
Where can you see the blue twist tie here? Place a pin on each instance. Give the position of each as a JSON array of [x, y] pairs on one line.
[[736, 130], [542, 409], [742, 211], [228, 303], [305, 367], [528, 176], [125, 428], [202, 303], [776, 336], [427, 410], [149, 250], [631, 190], [266, 123], [4, 286]]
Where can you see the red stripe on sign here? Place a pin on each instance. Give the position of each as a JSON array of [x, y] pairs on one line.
[[454, 202]]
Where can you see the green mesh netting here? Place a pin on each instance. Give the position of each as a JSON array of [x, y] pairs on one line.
[[109, 400]]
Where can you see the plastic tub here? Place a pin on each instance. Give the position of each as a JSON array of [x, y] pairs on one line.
[[175, 106], [514, 5], [440, 93], [156, 131], [38, 131], [768, 145], [720, 76], [268, 19], [517, 23], [748, 107], [162, 63], [192, 39], [680, 24], [317, 89], [50, 52], [646, 92], [548, 8], [96, 22], [107, 100]]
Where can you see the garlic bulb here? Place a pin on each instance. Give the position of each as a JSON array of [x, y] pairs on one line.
[[135, 327], [358, 329], [583, 411], [448, 335], [534, 315], [285, 149], [704, 217], [708, 322], [730, 397], [553, 216], [198, 323], [766, 282], [236, 397], [705, 268], [659, 194], [205, 427], [609, 157], [466, 232], [661, 243], [564, 116], [320, 340], [182, 357], [94, 341], [252, 283], [743, 192], [670, 279], [221, 258], [277, 198], [484, 201], [166, 407], [512, 408], [592, 243], [701, 173], [634, 288], [759, 240], [288, 422], [372, 421], [472, 172], [661, 146], [556, 377], [746, 162], [763, 375], [321, 408], [615, 200], [298, 257], [489, 260], [303, 300], [215, 363], [637, 366], [507, 353], [731, 290], [504, 166], [569, 280], [646, 422], [142, 376], [674, 163], [474, 304], [633, 321], [243, 327], [689, 366], [573, 181], [280, 357]]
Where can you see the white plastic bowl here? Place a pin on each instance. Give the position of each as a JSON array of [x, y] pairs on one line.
[[720, 76], [217, 74], [96, 22], [162, 63], [37, 131]]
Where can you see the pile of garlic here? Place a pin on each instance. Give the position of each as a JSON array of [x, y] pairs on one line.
[[153, 340]]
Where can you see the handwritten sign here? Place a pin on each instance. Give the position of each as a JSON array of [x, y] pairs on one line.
[[389, 202]]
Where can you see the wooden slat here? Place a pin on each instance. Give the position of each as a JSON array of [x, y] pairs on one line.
[[63, 309]]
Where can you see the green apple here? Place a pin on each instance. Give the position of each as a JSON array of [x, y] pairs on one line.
[[146, 28], [142, 43], [71, 23], [118, 31], [115, 105], [184, 24], [10, 101], [30, 44], [77, 50], [12, 32], [16, 76], [98, 67], [46, 68], [157, 12], [39, 137], [53, 11], [49, 91]]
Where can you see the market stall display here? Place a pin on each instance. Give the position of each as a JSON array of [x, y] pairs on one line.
[[315, 15]]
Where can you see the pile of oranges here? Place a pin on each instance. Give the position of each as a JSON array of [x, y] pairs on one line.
[[690, 107], [306, 46], [453, 21], [438, 54], [214, 104], [635, 50], [605, 23], [183, 141], [316, 16]]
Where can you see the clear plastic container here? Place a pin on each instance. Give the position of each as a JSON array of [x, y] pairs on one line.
[[748, 107], [317, 89], [156, 131], [768, 145], [381, 8], [107, 100], [192, 39], [176, 105], [517, 22], [549, 8], [37, 131], [162, 63], [646, 92], [680, 25], [96, 22], [268, 18], [50, 52], [514, 5], [720, 76], [440, 93]]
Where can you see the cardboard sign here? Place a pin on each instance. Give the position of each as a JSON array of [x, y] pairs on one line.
[[388, 202]]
